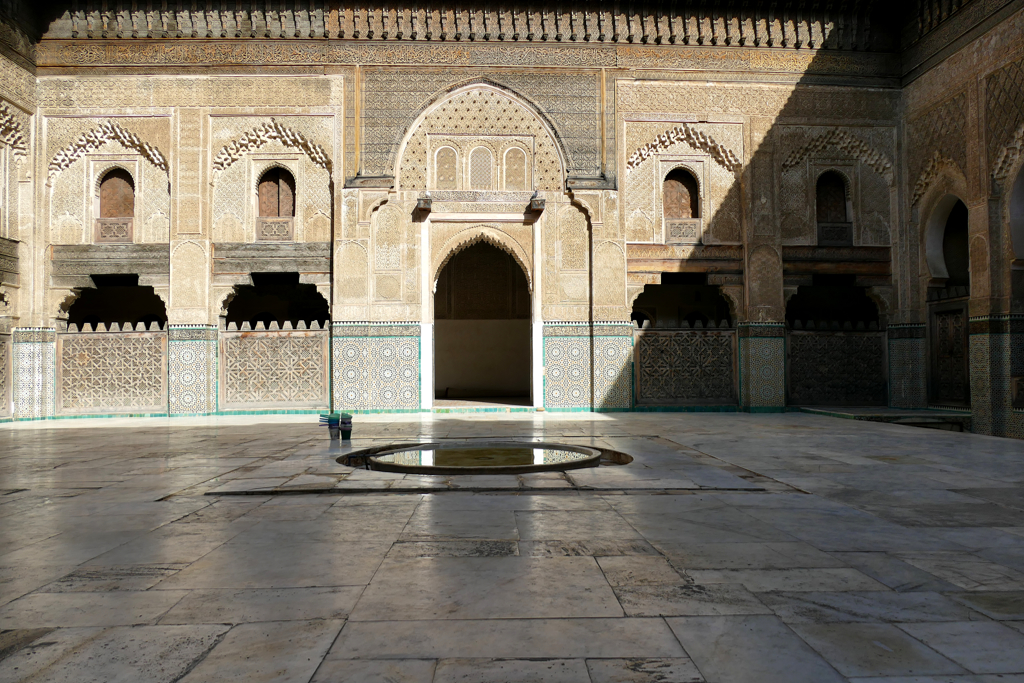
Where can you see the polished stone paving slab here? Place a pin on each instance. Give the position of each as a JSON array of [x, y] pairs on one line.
[[734, 548]]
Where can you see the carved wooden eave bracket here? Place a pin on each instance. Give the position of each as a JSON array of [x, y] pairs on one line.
[[937, 166], [695, 138], [11, 133], [108, 131], [848, 144], [1008, 157], [261, 135]]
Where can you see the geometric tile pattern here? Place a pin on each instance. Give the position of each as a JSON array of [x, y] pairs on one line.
[[5, 375], [837, 368], [191, 369], [567, 369], [35, 350], [908, 379], [275, 368], [376, 367], [613, 372], [980, 383], [567, 355], [763, 372], [683, 367], [111, 372]]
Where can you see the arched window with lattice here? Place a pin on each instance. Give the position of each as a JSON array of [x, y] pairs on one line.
[[480, 169], [446, 164], [680, 199], [832, 207], [276, 214], [117, 207], [517, 170]]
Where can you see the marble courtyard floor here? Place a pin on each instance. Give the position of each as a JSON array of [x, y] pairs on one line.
[[762, 548]]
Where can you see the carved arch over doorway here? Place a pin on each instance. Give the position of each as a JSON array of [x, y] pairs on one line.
[[473, 235]]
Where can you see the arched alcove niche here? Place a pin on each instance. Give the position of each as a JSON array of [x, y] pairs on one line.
[[1015, 205], [942, 238], [482, 340], [474, 116]]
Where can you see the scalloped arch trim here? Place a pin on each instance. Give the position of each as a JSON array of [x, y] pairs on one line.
[[847, 143], [261, 135], [491, 236], [11, 133], [695, 138], [108, 131]]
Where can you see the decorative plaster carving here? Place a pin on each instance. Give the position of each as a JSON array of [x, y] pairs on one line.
[[938, 165], [494, 235], [11, 133], [695, 138], [1008, 156], [846, 143], [108, 131], [261, 135]]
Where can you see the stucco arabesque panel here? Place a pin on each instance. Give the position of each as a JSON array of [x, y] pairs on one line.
[[479, 113]]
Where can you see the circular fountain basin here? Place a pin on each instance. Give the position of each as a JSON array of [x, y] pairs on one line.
[[495, 457]]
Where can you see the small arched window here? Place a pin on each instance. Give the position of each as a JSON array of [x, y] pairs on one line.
[[831, 198], [832, 207], [117, 194], [480, 169], [446, 169], [277, 194], [680, 196], [516, 173], [117, 207]]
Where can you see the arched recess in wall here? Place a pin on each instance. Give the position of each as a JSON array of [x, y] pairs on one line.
[[942, 244], [482, 323], [480, 109], [1016, 211], [482, 233]]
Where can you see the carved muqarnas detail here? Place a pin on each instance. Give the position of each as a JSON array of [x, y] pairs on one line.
[[695, 138], [1008, 156], [261, 135], [11, 133], [108, 131], [938, 164], [847, 144]]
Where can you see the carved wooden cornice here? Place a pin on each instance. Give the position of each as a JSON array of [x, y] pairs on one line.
[[796, 24]]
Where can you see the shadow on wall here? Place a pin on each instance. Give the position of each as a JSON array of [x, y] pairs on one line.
[[793, 140], [274, 299], [117, 299]]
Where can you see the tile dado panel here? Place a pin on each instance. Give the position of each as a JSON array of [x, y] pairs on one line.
[[567, 366], [376, 366], [111, 372], [34, 373], [5, 375], [685, 367], [837, 368], [286, 369], [762, 349], [191, 369], [908, 356]]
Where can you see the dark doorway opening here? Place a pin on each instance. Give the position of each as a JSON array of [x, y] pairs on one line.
[[276, 299], [117, 299], [950, 378], [482, 328]]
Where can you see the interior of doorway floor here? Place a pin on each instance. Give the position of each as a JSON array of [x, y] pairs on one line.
[[483, 402]]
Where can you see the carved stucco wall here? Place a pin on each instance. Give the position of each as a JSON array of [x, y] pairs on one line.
[[80, 150], [233, 211], [394, 98]]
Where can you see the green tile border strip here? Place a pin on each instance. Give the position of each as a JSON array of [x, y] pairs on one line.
[[727, 408]]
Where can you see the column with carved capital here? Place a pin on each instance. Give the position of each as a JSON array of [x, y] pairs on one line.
[[33, 365]]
